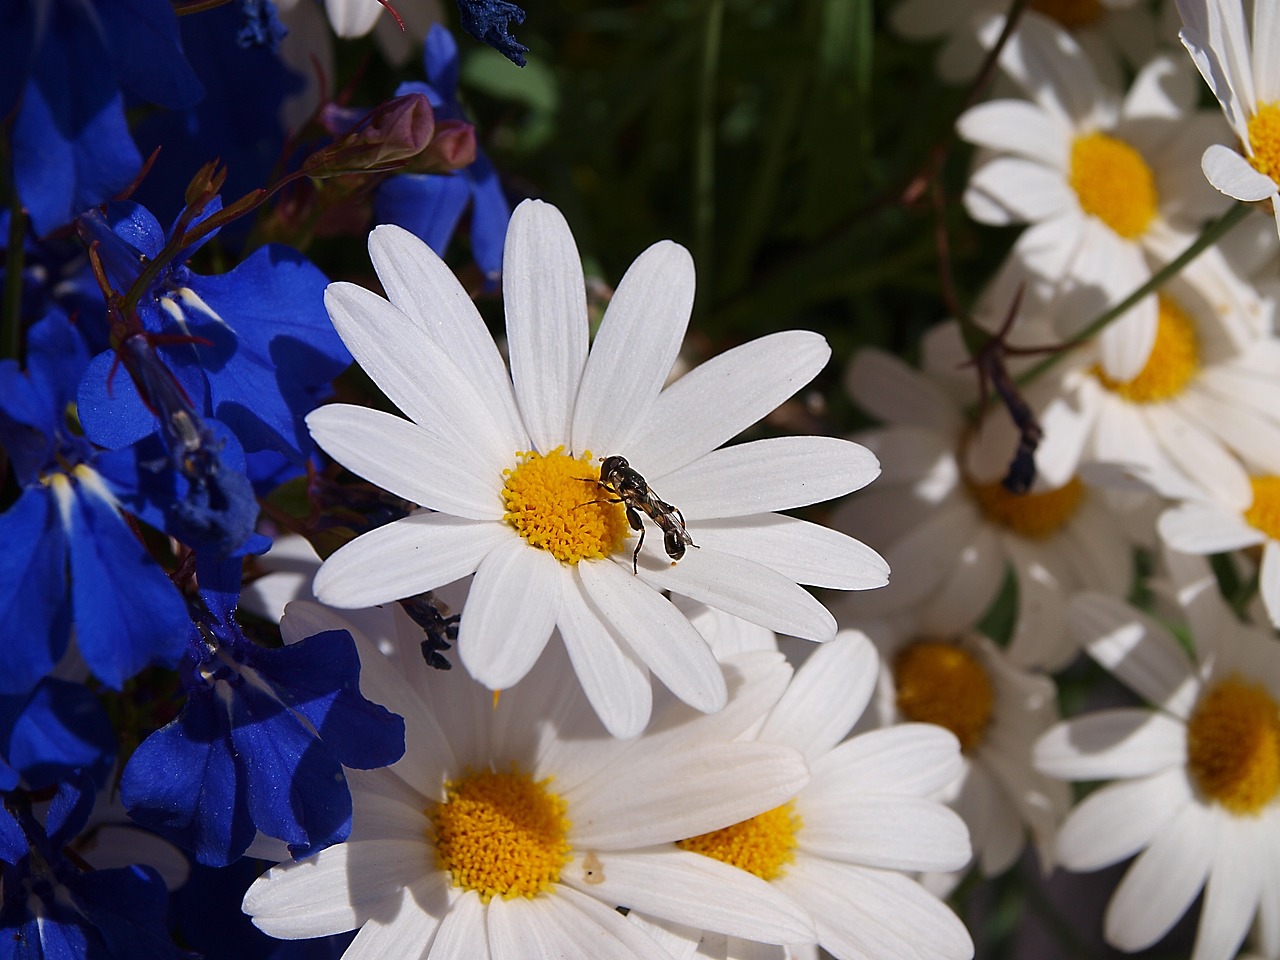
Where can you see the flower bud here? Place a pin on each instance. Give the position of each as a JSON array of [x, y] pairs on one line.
[[387, 138]]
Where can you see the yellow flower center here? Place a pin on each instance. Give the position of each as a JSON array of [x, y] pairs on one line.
[[1264, 138], [1264, 513], [1035, 515], [1233, 746], [1174, 360], [554, 503], [763, 845], [1072, 14], [943, 684], [1113, 183], [501, 834]]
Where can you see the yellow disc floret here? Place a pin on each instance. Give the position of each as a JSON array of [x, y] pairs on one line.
[[1233, 745], [1072, 14], [944, 684], [1174, 360], [501, 834], [1264, 513], [763, 845], [1113, 183], [1264, 140], [554, 502], [1035, 515]]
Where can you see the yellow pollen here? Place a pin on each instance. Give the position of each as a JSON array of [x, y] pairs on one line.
[[1072, 14], [501, 834], [1264, 513], [763, 845], [1264, 138], [1035, 515], [1233, 746], [1174, 360], [549, 502], [1113, 183], [943, 684]]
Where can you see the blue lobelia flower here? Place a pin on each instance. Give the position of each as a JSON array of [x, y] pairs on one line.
[[55, 729], [54, 909], [487, 20], [67, 66], [261, 742], [430, 205], [252, 348], [126, 612]]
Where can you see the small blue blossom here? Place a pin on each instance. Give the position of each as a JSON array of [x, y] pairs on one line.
[[252, 348], [487, 20], [260, 743], [54, 909], [55, 729], [431, 205], [260, 26], [126, 612]]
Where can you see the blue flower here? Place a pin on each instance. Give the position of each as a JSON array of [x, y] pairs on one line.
[[261, 742], [55, 729], [486, 20], [126, 612], [68, 66], [252, 348], [54, 908], [431, 205]]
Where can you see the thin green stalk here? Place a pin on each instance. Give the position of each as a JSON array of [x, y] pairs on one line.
[[704, 166], [1208, 237]]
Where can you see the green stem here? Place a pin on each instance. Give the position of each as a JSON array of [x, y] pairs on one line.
[[704, 204], [1208, 237], [11, 311]]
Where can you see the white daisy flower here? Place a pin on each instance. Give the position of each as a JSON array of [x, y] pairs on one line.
[[1197, 776], [514, 825], [966, 684], [507, 465], [1106, 184], [951, 529], [842, 849], [1115, 33], [1243, 72]]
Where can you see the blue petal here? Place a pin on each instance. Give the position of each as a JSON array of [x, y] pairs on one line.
[[61, 727], [182, 782], [440, 61], [427, 205], [490, 215], [161, 75], [128, 613], [56, 358], [112, 413], [33, 590], [320, 678], [17, 47], [69, 810], [127, 908], [13, 841]]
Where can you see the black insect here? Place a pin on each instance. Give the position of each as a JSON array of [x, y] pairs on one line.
[[631, 490]]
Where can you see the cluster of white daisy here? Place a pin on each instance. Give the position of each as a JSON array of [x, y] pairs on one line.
[[580, 509]]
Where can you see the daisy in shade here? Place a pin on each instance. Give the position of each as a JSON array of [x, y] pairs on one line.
[[966, 684], [514, 825], [508, 466], [1244, 74], [949, 527], [844, 847], [1105, 183], [1196, 791]]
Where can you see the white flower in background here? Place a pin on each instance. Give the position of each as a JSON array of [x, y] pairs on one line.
[[514, 825], [1243, 72], [964, 683], [507, 465], [951, 530], [1106, 184], [1115, 33], [1197, 775], [842, 849]]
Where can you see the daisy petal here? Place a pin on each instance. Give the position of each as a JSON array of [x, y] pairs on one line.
[[1234, 175], [914, 759], [404, 558], [745, 589], [1269, 580], [1205, 528], [683, 887], [634, 349], [897, 393], [659, 634], [461, 933], [387, 934], [801, 551], [406, 459], [1008, 190], [1126, 742], [546, 306], [1115, 822], [719, 399], [566, 924], [510, 612], [888, 831], [1019, 127], [1231, 896]]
